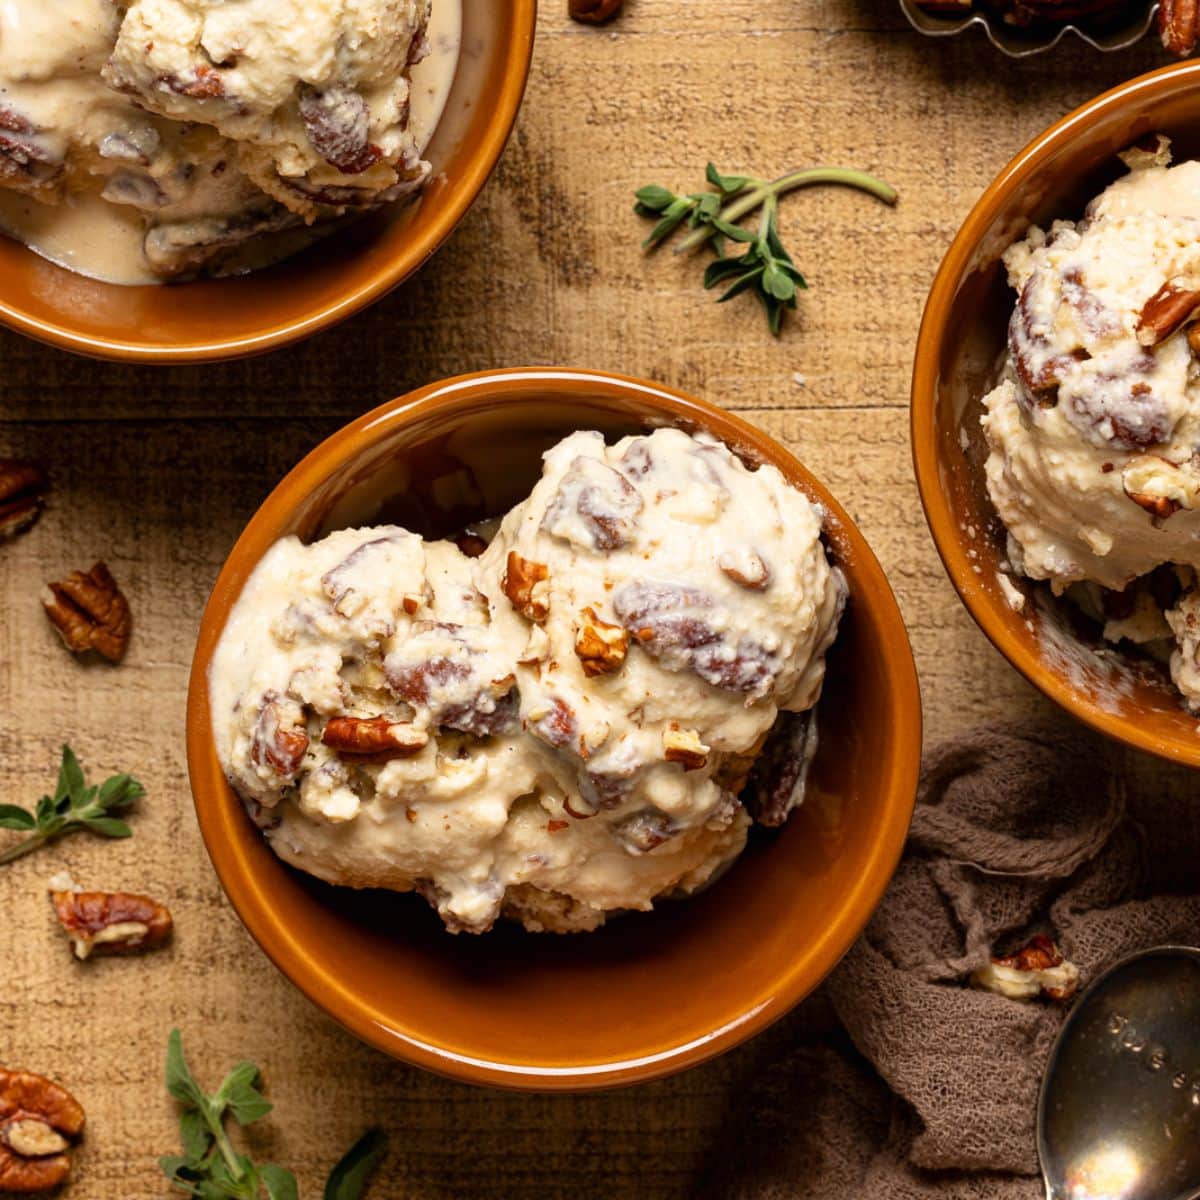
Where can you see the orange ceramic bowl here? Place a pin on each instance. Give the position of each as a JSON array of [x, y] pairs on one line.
[[649, 993], [961, 341], [228, 318]]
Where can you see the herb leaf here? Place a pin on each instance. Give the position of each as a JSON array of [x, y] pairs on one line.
[[210, 1168], [762, 265], [12, 817], [349, 1177], [279, 1182], [73, 806]]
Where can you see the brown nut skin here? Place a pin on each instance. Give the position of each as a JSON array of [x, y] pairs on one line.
[[593, 12], [28, 1101], [90, 612], [1039, 954], [1177, 22], [600, 646], [1166, 312], [524, 584], [373, 737], [23, 487], [112, 922]]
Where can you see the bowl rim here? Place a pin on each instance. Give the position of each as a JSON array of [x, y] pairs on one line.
[[923, 404], [380, 280], [253, 906]]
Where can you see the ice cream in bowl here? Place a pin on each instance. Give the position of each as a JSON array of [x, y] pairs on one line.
[[1056, 413], [185, 179], [542, 692]]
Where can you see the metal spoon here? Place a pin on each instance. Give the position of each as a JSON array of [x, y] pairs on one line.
[[1119, 1111]]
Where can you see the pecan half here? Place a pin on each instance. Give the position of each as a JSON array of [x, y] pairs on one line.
[[23, 487], [1037, 969], [90, 613], [373, 736], [525, 585], [1166, 312], [1177, 20], [601, 647], [338, 122], [38, 1122], [111, 922], [279, 738], [593, 12], [779, 777]]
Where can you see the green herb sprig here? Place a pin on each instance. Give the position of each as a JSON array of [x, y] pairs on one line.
[[763, 266], [212, 1169], [74, 806]]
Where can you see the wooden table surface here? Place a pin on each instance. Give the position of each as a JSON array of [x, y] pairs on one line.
[[157, 470]]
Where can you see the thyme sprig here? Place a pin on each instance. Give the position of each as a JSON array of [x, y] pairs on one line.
[[762, 265], [211, 1168], [72, 807]]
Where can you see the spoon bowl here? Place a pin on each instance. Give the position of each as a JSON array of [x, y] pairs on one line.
[[1119, 1111]]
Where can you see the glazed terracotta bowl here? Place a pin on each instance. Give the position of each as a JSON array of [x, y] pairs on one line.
[[216, 319], [958, 357], [649, 993]]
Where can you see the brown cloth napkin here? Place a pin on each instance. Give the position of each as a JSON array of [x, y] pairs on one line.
[[931, 1090]]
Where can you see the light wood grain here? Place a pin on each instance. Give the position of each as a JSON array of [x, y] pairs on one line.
[[157, 470]]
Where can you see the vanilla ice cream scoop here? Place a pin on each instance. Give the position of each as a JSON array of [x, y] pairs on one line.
[[316, 96], [557, 729], [1094, 427]]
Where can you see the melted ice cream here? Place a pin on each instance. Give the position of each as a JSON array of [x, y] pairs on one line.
[[126, 155]]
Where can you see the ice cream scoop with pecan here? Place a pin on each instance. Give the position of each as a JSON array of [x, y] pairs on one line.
[[1094, 426], [557, 729], [314, 96]]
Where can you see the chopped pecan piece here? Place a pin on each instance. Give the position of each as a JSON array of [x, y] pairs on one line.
[[1037, 969], [1166, 312], [338, 122], [643, 831], [202, 84], [38, 1122], [1159, 486], [554, 724], [373, 736], [23, 487], [525, 584], [90, 613], [684, 746], [111, 922], [601, 646], [471, 544], [746, 569], [593, 12]]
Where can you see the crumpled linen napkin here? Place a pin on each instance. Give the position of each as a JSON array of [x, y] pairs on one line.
[[931, 1088]]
